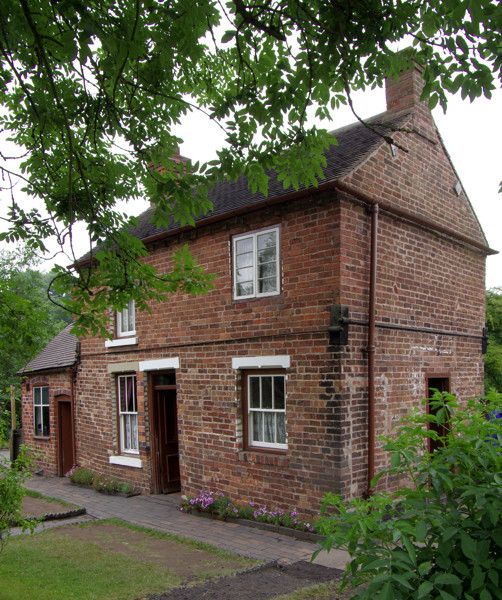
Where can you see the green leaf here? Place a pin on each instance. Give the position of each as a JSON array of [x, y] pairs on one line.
[[424, 589], [469, 546], [421, 530], [228, 36], [424, 568], [447, 579]]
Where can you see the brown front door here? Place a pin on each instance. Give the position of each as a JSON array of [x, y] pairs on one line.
[[66, 445], [166, 437]]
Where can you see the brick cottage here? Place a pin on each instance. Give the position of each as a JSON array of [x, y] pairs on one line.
[[334, 310]]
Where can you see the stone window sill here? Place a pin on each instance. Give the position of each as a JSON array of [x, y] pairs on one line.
[[126, 461], [121, 342]]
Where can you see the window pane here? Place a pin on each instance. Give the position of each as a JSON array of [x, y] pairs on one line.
[[134, 432], [131, 395], [244, 245], [269, 427], [122, 394], [266, 256], [267, 285], [244, 289], [45, 420], [127, 432], [244, 260], [36, 395], [165, 379], [45, 395], [267, 240], [124, 317], [267, 270], [254, 392], [244, 275], [266, 392], [280, 420], [279, 393], [257, 434], [130, 432], [38, 420], [130, 314]]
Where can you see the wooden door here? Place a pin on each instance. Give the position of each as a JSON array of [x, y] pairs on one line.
[[66, 437], [166, 427]]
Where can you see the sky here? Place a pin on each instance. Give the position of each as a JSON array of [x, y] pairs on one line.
[[472, 134]]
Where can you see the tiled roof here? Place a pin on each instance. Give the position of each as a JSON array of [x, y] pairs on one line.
[[355, 143], [60, 352]]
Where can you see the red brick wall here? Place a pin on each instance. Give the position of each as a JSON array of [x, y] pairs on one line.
[[45, 453]]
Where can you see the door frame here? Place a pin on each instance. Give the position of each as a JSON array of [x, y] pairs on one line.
[[154, 433], [60, 400]]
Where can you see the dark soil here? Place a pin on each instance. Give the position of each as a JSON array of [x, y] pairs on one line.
[[260, 583]]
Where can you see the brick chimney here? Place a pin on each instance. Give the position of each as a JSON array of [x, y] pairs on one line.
[[404, 94], [177, 159]]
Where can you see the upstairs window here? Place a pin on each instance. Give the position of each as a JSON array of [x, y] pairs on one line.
[[256, 264], [128, 413], [265, 410], [126, 323], [41, 411]]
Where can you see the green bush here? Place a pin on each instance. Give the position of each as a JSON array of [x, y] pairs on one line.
[[440, 535], [80, 475], [12, 493]]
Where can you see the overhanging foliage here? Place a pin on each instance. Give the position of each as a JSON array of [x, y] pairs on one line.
[[91, 92]]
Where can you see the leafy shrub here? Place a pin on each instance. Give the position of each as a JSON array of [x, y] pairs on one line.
[[12, 493], [218, 504], [81, 475], [108, 485], [439, 536]]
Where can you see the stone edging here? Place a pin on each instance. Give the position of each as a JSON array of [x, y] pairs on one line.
[[64, 515], [76, 512]]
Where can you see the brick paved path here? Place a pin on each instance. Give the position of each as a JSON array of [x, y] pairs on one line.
[[162, 512]]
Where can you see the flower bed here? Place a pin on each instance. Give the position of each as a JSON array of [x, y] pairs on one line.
[[100, 482], [218, 505]]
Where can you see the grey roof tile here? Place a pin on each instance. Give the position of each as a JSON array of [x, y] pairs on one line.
[[60, 352]]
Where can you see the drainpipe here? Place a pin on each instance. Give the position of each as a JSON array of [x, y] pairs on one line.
[[371, 346]]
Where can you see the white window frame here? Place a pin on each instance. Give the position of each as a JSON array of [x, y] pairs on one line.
[[126, 313], [254, 237], [250, 442], [41, 391], [127, 415]]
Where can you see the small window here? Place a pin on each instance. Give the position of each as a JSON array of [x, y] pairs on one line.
[[126, 324], [265, 410], [256, 264], [41, 411], [128, 413]]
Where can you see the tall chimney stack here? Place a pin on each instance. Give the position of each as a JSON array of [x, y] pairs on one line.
[[404, 94]]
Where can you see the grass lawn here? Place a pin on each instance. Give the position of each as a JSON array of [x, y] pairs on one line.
[[106, 560]]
